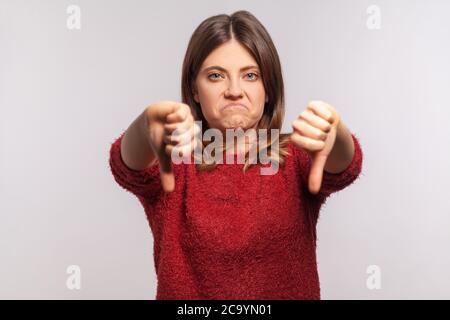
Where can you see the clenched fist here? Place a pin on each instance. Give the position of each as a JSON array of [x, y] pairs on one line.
[[315, 131], [171, 127]]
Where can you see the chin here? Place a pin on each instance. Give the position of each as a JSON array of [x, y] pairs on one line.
[[235, 124]]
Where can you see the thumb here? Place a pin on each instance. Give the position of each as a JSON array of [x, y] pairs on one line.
[[316, 172], [165, 166], [166, 172]]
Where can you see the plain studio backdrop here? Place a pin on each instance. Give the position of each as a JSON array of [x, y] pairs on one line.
[[66, 95]]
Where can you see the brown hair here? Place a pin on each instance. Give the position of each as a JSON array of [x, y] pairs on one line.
[[248, 31]]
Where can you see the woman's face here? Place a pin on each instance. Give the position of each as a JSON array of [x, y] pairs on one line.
[[230, 75]]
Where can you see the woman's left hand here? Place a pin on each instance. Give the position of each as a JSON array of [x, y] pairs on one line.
[[315, 131]]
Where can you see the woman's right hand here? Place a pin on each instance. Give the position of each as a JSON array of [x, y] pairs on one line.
[[171, 127]]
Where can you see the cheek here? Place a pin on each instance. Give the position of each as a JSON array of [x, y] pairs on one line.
[[209, 90], [256, 90], [258, 97], [210, 97], [206, 94]]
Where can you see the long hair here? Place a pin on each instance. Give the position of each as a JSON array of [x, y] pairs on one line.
[[249, 32]]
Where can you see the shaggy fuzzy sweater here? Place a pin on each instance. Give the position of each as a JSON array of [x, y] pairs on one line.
[[225, 234]]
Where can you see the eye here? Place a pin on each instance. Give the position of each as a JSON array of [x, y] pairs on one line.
[[255, 75], [213, 74]]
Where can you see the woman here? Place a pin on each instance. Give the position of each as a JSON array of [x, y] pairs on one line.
[[226, 231]]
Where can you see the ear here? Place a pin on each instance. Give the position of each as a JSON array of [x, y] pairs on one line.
[[267, 99]]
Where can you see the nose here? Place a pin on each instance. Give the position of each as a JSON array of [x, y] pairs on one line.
[[234, 89]]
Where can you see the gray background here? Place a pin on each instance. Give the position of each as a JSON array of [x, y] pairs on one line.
[[65, 95]]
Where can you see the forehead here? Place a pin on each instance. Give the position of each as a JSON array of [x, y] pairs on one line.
[[230, 55]]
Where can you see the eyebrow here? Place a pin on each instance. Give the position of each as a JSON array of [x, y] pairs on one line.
[[224, 70]]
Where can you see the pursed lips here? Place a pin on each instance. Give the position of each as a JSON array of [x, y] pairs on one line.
[[234, 106]]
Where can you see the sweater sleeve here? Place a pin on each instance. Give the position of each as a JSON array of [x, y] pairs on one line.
[[142, 183], [332, 182]]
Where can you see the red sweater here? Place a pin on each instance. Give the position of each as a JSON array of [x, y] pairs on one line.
[[224, 234]]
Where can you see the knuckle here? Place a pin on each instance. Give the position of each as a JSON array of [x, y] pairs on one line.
[[309, 145], [303, 115], [322, 136], [321, 144], [298, 125]]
